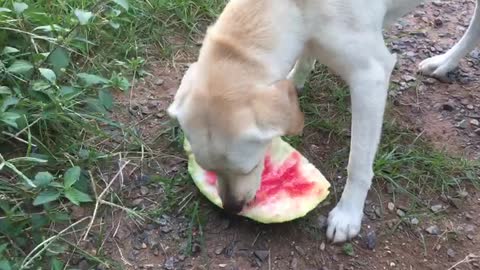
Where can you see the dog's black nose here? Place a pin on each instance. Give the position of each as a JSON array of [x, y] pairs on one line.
[[233, 207]]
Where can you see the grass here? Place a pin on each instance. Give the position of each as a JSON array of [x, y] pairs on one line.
[[61, 64], [404, 159]]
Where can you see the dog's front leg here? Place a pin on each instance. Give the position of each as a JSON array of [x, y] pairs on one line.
[[439, 65], [369, 85]]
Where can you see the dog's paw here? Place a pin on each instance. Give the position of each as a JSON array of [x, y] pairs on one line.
[[437, 66], [344, 223]]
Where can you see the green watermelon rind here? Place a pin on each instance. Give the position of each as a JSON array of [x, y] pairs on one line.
[[279, 151]]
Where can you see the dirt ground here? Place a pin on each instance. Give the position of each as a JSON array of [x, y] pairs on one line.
[[446, 113]]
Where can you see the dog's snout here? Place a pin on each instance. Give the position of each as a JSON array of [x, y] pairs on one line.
[[233, 207]]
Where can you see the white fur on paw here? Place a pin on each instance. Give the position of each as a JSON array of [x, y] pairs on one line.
[[343, 224], [437, 66]]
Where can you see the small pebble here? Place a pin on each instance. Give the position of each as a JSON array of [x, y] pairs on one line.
[[166, 229], [475, 122], [408, 78], [438, 22], [262, 255], [137, 245], [294, 263], [390, 224], [429, 81], [390, 188], [436, 208], [414, 221], [218, 250], [462, 193], [322, 222], [144, 190], [163, 220], [400, 213], [474, 115], [462, 124], [169, 264], [300, 250], [196, 248], [83, 265], [137, 202], [391, 206], [450, 253], [433, 230], [464, 101], [457, 203], [159, 82], [371, 240], [469, 228]]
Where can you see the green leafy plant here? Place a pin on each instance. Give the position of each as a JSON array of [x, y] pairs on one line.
[[54, 96], [348, 249], [52, 190]]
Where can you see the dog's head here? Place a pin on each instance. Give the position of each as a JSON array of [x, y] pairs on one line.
[[229, 120]]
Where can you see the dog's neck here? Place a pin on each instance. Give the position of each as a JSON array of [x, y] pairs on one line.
[[268, 37]]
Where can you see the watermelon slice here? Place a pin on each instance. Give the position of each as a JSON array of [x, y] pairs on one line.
[[290, 187]]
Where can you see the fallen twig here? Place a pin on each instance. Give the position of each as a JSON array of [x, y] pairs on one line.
[[100, 199], [44, 245], [468, 259]]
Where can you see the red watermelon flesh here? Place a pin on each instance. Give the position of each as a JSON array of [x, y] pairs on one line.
[[286, 178], [290, 185]]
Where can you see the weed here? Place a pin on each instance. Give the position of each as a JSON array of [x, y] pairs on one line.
[[414, 168], [404, 159], [54, 102]]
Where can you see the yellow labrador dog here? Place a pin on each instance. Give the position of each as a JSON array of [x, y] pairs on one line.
[[241, 92]]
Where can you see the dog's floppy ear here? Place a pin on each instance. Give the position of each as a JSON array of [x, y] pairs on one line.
[[185, 87], [277, 109]]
